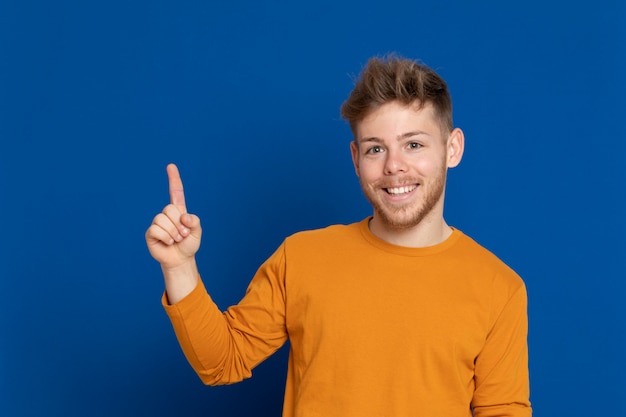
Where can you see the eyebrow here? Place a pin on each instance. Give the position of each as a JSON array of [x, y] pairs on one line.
[[400, 137]]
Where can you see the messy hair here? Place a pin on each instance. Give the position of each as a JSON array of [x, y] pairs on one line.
[[393, 78]]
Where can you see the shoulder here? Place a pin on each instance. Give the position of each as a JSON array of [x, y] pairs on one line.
[[321, 245], [325, 235], [486, 265]]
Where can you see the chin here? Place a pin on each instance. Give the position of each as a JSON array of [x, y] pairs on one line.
[[409, 216], [400, 220], [400, 224]]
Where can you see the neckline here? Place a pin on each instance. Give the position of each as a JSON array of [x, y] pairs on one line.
[[405, 250]]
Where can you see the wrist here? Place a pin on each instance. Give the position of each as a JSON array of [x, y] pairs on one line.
[[180, 271], [180, 280]]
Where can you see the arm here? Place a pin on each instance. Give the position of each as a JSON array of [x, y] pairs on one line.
[[501, 369], [222, 348]]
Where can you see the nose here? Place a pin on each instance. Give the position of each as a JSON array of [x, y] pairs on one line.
[[394, 163]]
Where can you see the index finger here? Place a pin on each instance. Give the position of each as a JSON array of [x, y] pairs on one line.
[[177, 195]]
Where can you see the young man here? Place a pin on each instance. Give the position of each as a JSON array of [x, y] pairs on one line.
[[396, 315]]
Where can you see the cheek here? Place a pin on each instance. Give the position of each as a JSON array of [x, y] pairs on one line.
[[369, 170], [427, 167], [430, 164]]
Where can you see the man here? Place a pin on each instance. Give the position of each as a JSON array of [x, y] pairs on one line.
[[396, 315]]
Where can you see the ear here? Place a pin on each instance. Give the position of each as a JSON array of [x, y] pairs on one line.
[[354, 150], [455, 145]]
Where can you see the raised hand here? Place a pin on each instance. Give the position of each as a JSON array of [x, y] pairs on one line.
[[173, 238]]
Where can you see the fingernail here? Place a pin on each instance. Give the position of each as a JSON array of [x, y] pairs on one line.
[[185, 231]]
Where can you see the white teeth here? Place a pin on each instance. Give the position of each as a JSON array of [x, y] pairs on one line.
[[401, 190]]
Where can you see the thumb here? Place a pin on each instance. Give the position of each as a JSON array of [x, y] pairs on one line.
[[191, 222]]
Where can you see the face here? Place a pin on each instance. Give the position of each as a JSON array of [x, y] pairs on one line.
[[401, 157]]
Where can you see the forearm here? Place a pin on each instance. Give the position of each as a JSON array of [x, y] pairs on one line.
[[205, 338], [224, 347]]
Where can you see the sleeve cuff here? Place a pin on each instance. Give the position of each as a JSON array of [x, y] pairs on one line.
[[198, 294]]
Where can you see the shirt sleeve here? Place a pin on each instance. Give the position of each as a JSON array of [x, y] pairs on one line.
[[223, 348], [501, 369]]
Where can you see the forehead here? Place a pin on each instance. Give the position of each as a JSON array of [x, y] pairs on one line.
[[395, 119]]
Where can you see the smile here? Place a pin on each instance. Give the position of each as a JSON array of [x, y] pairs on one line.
[[401, 190]]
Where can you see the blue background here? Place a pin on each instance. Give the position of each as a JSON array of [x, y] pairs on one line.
[[97, 97]]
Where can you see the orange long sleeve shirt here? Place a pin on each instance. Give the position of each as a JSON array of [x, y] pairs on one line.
[[374, 329]]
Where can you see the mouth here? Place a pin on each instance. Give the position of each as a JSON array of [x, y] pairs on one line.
[[398, 191]]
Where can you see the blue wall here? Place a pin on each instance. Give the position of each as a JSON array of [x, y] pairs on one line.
[[97, 97]]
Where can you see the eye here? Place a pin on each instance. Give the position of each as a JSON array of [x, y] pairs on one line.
[[374, 149], [414, 145]]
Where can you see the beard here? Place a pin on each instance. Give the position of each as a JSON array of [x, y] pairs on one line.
[[410, 214]]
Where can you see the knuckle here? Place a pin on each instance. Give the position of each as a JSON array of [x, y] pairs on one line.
[[171, 211]]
